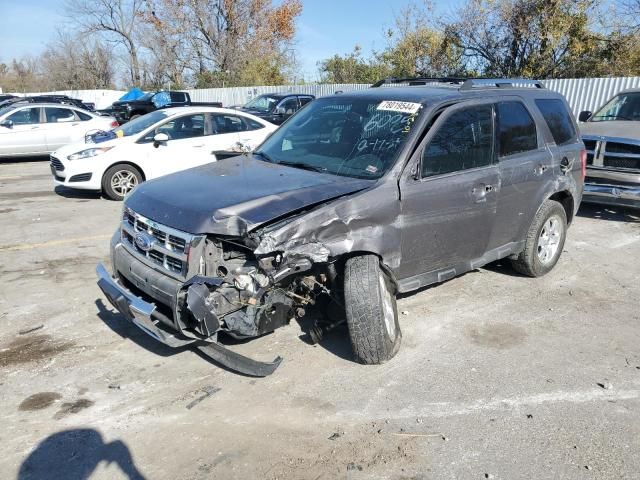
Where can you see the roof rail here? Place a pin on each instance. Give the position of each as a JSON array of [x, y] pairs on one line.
[[499, 83], [465, 83], [418, 80]]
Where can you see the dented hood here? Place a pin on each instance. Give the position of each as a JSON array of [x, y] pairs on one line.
[[236, 195]]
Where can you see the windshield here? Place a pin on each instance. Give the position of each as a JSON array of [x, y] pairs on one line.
[[141, 123], [621, 107], [5, 110], [263, 103], [351, 137]]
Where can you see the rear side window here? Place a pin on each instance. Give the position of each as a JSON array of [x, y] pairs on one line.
[[516, 129], [558, 119], [83, 116], [178, 97], [304, 100], [252, 124], [463, 141]]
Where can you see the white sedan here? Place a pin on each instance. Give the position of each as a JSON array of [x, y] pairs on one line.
[[40, 128], [156, 144]]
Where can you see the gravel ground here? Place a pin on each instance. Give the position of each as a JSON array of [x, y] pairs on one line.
[[499, 376]]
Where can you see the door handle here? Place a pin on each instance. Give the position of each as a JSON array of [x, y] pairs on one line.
[[479, 193], [75, 124], [198, 146], [565, 165]]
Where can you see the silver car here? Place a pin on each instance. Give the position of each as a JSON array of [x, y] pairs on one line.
[[612, 138], [40, 128]]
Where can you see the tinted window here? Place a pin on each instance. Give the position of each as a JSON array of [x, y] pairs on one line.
[[516, 129], [83, 116], [189, 126], [558, 119], [55, 114], [463, 141], [178, 97], [252, 124], [290, 105], [228, 124], [304, 100], [25, 116]]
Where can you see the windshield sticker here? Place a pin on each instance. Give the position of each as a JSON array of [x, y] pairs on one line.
[[371, 169], [402, 107]]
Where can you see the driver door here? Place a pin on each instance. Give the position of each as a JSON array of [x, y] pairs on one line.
[[449, 197]]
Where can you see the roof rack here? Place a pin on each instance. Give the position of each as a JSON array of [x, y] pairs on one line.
[[500, 83], [418, 80], [465, 83]]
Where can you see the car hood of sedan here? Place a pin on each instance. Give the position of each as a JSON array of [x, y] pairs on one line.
[[64, 152], [236, 195], [612, 128]]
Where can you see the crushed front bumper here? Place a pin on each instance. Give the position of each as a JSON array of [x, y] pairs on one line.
[[621, 195], [144, 315]]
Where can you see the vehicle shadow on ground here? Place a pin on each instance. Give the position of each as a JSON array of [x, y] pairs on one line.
[[74, 455], [610, 213], [336, 341], [82, 194], [11, 160], [125, 329]]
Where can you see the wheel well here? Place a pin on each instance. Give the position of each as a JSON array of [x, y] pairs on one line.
[[341, 260], [144, 177], [565, 199]]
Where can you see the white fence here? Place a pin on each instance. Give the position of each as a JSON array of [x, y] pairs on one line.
[[581, 93]]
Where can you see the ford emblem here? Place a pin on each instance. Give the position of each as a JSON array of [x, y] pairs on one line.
[[144, 241]]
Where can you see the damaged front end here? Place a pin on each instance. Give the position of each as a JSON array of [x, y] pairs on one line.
[[223, 286]]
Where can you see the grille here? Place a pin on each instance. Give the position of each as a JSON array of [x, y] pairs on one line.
[[169, 248], [626, 148], [82, 177], [621, 162], [590, 144], [57, 164]]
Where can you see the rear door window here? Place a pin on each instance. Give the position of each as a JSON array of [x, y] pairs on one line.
[[462, 142], [290, 105], [558, 119], [304, 100], [228, 124], [516, 129], [57, 114]]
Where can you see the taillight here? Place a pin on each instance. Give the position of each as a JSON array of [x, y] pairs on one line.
[[583, 163], [114, 124]]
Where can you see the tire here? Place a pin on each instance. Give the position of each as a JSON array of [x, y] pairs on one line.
[[120, 180], [544, 242], [373, 322]]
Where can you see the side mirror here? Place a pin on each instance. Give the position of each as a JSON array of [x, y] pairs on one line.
[[160, 138], [6, 124], [584, 116]]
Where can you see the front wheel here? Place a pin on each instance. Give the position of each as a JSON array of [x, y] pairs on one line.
[[120, 180], [372, 313], [544, 242]]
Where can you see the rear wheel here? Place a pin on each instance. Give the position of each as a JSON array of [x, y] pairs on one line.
[[120, 180], [544, 241], [372, 313]]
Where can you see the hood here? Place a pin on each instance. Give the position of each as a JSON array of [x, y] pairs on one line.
[[78, 147], [614, 128], [236, 195]]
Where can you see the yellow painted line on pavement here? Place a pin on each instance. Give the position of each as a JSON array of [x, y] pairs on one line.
[[31, 246]]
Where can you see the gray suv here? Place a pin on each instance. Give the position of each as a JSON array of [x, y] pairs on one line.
[[355, 199]]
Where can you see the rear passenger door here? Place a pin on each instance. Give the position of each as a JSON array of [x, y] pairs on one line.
[[565, 149], [449, 203], [525, 168], [61, 127]]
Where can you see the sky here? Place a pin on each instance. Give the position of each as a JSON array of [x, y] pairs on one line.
[[326, 27]]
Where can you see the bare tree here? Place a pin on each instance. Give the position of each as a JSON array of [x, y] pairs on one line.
[[117, 21]]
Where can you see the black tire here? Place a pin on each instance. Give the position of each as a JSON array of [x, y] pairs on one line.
[[532, 261], [373, 339], [123, 170]]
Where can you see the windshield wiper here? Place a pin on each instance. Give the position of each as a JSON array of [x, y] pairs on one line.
[[265, 156], [304, 166]]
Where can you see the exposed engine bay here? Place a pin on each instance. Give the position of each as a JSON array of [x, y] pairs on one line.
[[245, 295]]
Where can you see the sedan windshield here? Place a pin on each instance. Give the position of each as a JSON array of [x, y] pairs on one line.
[[141, 123], [263, 103], [351, 137], [625, 106]]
